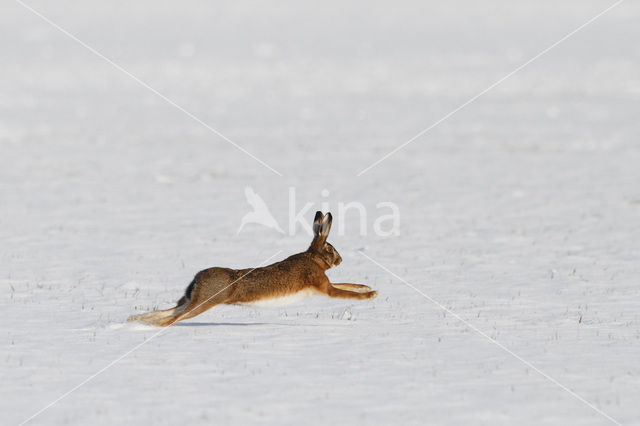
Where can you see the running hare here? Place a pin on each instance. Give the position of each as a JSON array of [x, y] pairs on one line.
[[301, 273]]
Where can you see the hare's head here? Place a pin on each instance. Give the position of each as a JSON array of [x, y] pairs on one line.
[[319, 246]]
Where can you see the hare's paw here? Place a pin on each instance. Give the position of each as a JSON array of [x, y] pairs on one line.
[[371, 294]]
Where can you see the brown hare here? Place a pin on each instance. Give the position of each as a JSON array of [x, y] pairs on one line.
[[302, 273]]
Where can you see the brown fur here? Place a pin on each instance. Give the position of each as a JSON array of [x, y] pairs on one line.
[[301, 272]]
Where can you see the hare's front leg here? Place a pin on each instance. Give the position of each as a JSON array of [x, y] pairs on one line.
[[351, 291], [360, 288]]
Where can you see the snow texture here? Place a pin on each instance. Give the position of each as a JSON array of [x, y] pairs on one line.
[[520, 213]]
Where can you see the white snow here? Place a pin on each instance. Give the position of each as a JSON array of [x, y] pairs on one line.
[[520, 213]]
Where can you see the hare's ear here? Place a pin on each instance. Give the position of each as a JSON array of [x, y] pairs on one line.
[[317, 224], [326, 225]]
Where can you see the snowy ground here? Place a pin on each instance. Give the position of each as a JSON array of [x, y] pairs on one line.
[[521, 213]]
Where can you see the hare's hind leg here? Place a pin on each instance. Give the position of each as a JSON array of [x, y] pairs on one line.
[[158, 317], [195, 306], [342, 291], [188, 310]]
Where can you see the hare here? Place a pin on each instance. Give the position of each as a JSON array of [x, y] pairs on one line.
[[302, 273]]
